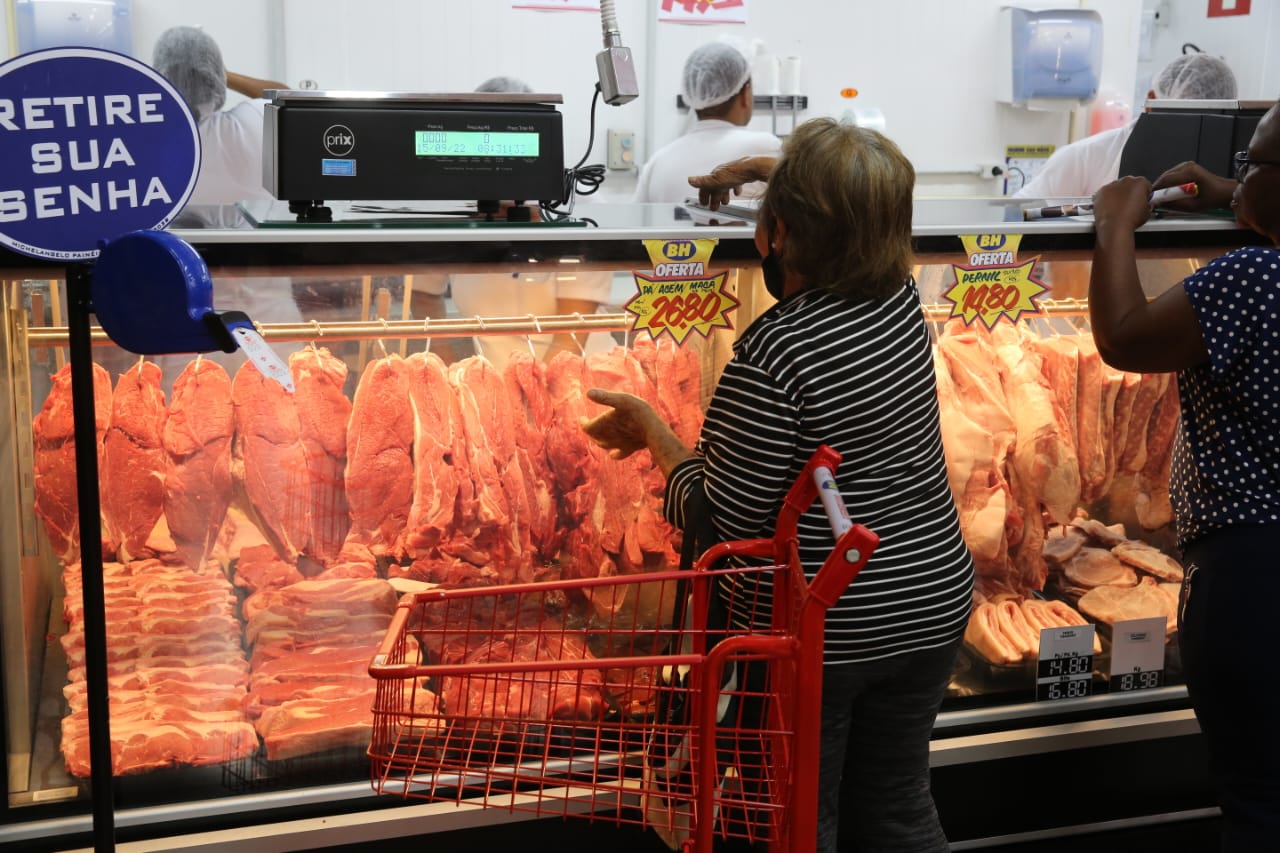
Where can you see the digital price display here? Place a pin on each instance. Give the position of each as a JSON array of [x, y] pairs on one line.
[[1136, 681], [474, 143], [1137, 654], [1065, 667]]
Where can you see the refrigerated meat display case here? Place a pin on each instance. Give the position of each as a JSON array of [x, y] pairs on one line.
[[243, 606]]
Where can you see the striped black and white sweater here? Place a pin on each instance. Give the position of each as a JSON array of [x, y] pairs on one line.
[[857, 375]]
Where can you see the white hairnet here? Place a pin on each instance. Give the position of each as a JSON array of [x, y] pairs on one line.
[[504, 84], [713, 74], [190, 59], [1196, 76]]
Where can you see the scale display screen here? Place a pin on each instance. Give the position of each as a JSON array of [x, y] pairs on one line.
[[470, 143]]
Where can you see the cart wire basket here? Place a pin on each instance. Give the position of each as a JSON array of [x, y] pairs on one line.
[[686, 702]]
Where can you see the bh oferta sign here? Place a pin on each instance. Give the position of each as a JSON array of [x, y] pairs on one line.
[[94, 145]]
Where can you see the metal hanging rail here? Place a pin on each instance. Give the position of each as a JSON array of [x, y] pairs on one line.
[[452, 327]]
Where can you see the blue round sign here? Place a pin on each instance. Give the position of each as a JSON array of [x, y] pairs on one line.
[[95, 145]]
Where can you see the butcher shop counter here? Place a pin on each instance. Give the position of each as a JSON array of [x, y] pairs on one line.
[[350, 294]]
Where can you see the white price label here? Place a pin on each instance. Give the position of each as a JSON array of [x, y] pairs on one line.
[[1065, 667], [1137, 654]]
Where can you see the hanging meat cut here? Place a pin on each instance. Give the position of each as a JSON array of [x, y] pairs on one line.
[[134, 461], [323, 411], [379, 476], [270, 462], [54, 468], [197, 445], [442, 489]]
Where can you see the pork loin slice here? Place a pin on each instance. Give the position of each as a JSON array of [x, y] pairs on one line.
[[1098, 567], [1061, 543], [1111, 604], [1150, 560], [1101, 534]]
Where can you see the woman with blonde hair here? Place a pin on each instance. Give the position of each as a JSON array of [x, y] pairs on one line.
[[842, 359]]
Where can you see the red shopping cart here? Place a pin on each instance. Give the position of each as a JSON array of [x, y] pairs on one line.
[[596, 697]]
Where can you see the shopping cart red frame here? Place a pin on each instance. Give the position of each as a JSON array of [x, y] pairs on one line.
[[592, 697]]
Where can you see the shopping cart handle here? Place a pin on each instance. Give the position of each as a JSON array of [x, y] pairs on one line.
[[853, 549], [804, 490], [741, 548]]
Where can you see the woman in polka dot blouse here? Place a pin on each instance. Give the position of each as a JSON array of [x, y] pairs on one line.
[[1220, 330]]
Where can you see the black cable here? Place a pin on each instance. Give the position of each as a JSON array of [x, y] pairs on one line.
[[579, 180]]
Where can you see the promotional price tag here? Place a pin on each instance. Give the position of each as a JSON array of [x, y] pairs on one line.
[[993, 284], [678, 295], [1065, 667], [1137, 654]]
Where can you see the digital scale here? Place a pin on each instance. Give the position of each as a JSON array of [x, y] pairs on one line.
[[358, 146]]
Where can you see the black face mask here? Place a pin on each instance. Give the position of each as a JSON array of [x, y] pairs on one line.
[[774, 281]]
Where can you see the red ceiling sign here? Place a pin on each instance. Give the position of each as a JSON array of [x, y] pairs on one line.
[[1223, 8]]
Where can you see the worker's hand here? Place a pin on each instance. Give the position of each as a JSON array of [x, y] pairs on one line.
[[623, 429], [727, 179], [1122, 204], [1214, 191]]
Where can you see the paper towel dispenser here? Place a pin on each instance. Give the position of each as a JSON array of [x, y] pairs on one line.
[[1050, 59]]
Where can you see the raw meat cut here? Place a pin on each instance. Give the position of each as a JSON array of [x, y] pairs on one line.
[[1044, 455], [1094, 567], [1061, 543], [134, 461], [54, 469], [1150, 391], [442, 490], [1091, 453], [379, 475], [980, 491], [566, 694], [986, 636], [1111, 604], [270, 462], [526, 381], [499, 534], [197, 445], [1150, 560], [323, 411]]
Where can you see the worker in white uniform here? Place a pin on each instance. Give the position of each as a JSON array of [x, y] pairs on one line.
[[230, 140], [717, 87], [533, 293], [230, 171], [1083, 167]]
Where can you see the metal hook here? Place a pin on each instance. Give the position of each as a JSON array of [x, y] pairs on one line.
[[581, 349], [381, 345], [426, 334], [141, 359], [537, 325]]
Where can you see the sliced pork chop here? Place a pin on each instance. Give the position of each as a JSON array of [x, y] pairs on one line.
[[1150, 560], [1094, 567]]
